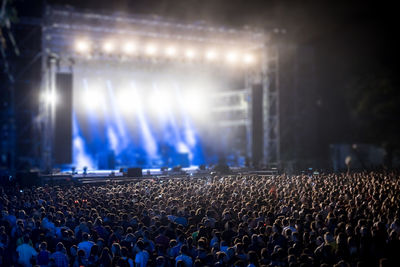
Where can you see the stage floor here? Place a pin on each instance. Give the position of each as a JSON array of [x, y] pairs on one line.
[[102, 173], [106, 176]]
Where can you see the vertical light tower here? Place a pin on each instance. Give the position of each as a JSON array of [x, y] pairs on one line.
[[47, 110]]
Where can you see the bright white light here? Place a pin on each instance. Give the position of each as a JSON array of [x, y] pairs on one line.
[[129, 48], [160, 101], [182, 148], [151, 49], [93, 99], [127, 101], [232, 57], [108, 46], [211, 55], [190, 53], [82, 46], [248, 58], [50, 98], [170, 51], [194, 102]]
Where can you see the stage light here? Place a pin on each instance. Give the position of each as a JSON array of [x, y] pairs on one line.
[[211, 55], [50, 98], [129, 48], [128, 101], [82, 46], [194, 102], [190, 53], [93, 99], [232, 57], [151, 49], [248, 58], [170, 51], [108, 47], [160, 101]]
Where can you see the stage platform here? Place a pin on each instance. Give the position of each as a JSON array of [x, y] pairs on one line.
[[107, 176]]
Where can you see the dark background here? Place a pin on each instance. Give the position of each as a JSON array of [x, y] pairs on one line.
[[339, 83]]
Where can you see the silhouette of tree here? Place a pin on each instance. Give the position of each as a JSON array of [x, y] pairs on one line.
[[374, 104]]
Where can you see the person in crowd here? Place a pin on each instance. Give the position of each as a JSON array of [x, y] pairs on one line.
[[59, 258], [94, 256], [26, 253], [142, 256], [125, 260], [184, 258], [80, 260], [43, 258], [86, 244], [105, 258]]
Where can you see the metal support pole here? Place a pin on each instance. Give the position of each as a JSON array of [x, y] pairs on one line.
[[277, 108], [266, 86], [249, 124], [270, 83]]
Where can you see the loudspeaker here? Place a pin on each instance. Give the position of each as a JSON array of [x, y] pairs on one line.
[[164, 169], [63, 120], [134, 172], [177, 168], [257, 122], [222, 168]]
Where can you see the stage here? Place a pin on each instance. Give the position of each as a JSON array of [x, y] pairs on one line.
[[140, 92]]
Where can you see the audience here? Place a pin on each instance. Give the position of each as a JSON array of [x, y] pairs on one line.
[[322, 220]]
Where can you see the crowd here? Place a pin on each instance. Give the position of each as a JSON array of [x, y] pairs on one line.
[[321, 220]]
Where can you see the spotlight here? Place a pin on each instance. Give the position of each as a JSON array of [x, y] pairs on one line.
[[190, 53], [160, 101], [211, 55], [248, 59], [50, 98], [127, 101], [151, 49], [129, 48], [108, 47], [194, 102], [170, 51], [82, 46], [93, 99], [232, 57]]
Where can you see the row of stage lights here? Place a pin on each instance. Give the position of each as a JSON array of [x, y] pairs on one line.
[[110, 47]]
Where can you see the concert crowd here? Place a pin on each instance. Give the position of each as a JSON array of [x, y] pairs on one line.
[[238, 220]]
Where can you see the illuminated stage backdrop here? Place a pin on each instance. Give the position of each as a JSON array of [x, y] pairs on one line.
[[130, 115]]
